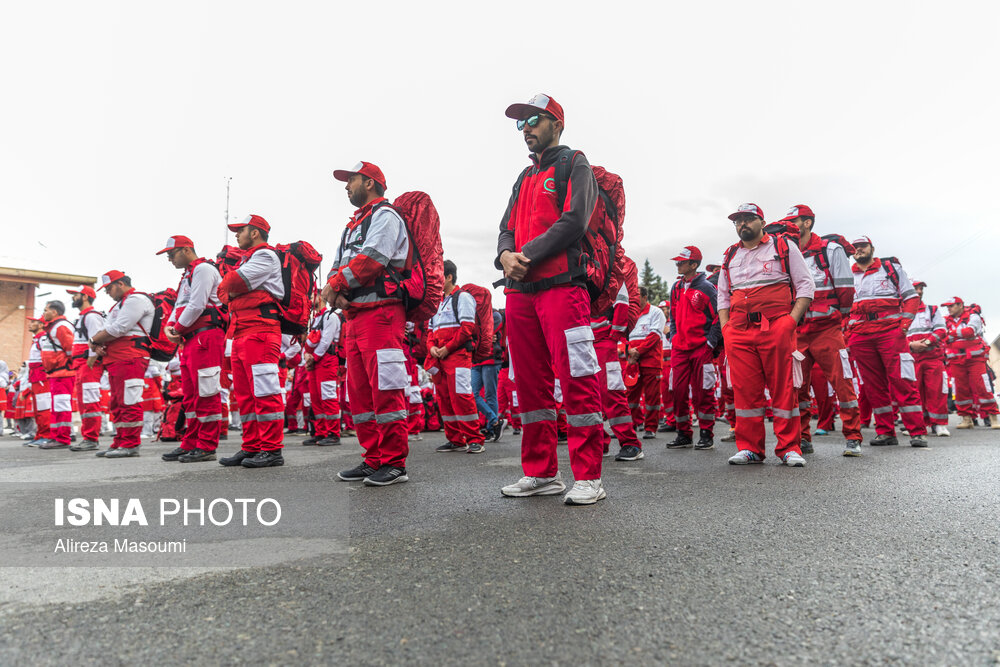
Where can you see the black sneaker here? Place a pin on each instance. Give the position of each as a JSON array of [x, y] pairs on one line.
[[452, 447], [103, 452], [648, 435], [516, 431], [629, 453], [882, 440], [121, 452], [357, 473], [666, 428], [476, 448], [311, 441], [682, 441], [53, 444], [265, 460], [174, 455], [328, 441], [197, 456], [498, 429], [705, 441], [918, 441], [807, 447], [224, 436], [387, 475], [237, 458]]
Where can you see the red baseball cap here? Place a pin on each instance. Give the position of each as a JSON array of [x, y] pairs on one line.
[[663, 304], [862, 240], [955, 301], [85, 290], [540, 102], [799, 210], [176, 242], [688, 254], [34, 319], [252, 220], [747, 208], [918, 282], [712, 268], [365, 169], [110, 277]]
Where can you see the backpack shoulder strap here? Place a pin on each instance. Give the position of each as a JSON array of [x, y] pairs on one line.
[[726, 259], [890, 270], [564, 166]]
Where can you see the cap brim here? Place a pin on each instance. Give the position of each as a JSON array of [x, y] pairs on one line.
[[680, 259], [521, 111], [164, 250], [233, 228], [73, 291], [787, 218], [343, 175]]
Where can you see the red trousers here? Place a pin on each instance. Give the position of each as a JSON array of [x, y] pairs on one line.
[[667, 391], [551, 337], [377, 382], [694, 375], [972, 387], [760, 358], [127, 385], [889, 375], [257, 388], [507, 398], [43, 408], [453, 383], [414, 399], [88, 398], [323, 395], [644, 398], [295, 400], [824, 401], [933, 384], [827, 350], [201, 371], [613, 396], [727, 396], [62, 408]]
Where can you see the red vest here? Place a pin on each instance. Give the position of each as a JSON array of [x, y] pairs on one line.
[[255, 311], [536, 210], [126, 348]]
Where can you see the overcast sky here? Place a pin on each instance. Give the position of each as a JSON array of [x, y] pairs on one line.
[[121, 122]]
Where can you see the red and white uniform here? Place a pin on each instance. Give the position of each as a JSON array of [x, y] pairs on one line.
[[694, 337], [881, 313], [760, 339], [453, 375], [40, 394], [667, 384], [126, 360], [88, 380], [197, 317], [608, 332], [57, 358], [929, 327], [324, 336], [966, 355], [647, 337], [256, 332]]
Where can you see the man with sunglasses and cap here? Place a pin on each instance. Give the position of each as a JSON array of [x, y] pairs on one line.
[[88, 368], [967, 353], [883, 310], [764, 291], [548, 308], [926, 338], [123, 346], [198, 323]]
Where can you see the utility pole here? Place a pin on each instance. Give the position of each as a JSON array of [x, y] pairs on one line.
[[226, 231]]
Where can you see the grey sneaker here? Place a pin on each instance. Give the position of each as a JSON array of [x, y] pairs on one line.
[[883, 440], [535, 486], [476, 448], [793, 460], [918, 441], [729, 437], [83, 446], [853, 448], [122, 452], [585, 492], [452, 447], [807, 447]]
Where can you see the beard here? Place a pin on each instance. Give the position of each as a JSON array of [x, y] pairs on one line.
[[357, 199], [747, 234]]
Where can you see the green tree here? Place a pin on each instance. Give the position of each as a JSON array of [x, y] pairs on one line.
[[648, 278]]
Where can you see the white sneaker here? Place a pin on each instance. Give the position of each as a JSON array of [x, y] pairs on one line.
[[535, 486], [744, 457], [942, 432], [794, 460], [585, 492]]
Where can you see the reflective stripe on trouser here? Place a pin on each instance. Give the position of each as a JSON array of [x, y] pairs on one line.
[[759, 359], [257, 389], [127, 418], [202, 353], [972, 395], [505, 398], [90, 410], [43, 415], [878, 357], [688, 367], [61, 389], [933, 390], [539, 353], [646, 387], [324, 396], [382, 437], [458, 411], [615, 403], [826, 348]]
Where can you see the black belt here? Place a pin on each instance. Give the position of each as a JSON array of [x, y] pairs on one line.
[[191, 334], [754, 317]]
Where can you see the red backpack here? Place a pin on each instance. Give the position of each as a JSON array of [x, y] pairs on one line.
[[160, 348], [630, 275], [422, 279], [482, 339], [299, 264], [822, 255], [228, 259]]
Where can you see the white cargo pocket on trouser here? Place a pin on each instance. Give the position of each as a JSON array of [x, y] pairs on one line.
[[392, 369], [513, 399], [265, 380], [906, 369], [208, 381], [62, 403], [845, 363], [132, 394], [557, 391], [91, 392], [463, 381], [582, 355], [797, 359], [307, 399], [613, 369], [944, 384], [43, 402], [986, 383], [707, 377], [328, 390]]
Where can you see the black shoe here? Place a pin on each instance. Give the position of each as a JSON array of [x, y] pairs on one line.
[[452, 447], [85, 446], [311, 441], [498, 429], [328, 441], [918, 441], [629, 453], [387, 475], [665, 428], [197, 456], [807, 447], [648, 435], [882, 440], [680, 442], [72, 438], [357, 473], [224, 436], [174, 455], [705, 441], [53, 444], [265, 460], [516, 431], [237, 458], [121, 452]]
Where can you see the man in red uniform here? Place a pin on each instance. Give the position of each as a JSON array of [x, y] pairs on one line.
[[197, 322], [967, 354], [449, 361], [88, 368], [548, 309], [609, 331], [646, 352], [668, 424], [761, 276], [323, 366], [57, 359], [363, 283], [819, 336], [926, 338], [39, 383], [884, 305], [252, 292], [123, 345], [694, 337]]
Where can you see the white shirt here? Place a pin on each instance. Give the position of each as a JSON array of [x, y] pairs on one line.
[[92, 323], [444, 318], [195, 293], [760, 267], [263, 271], [132, 316], [386, 242], [290, 346], [329, 324], [652, 321]]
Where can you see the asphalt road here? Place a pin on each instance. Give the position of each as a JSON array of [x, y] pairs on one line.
[[892, 557]]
